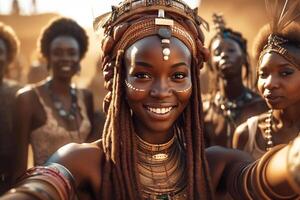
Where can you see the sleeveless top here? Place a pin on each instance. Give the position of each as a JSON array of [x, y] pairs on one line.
[[251, 145], [48, 138]]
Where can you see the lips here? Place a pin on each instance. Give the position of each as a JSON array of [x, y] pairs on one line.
[[225, 65], [272, 99], [66, 68], [159, 112]]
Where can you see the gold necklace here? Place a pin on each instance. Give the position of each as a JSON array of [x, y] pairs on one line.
[[161, 170]]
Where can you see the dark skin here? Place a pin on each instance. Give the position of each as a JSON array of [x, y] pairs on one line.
[[278, 83], [63, 60], [228, 58], [3, 59], [87, 170], [8, 91]]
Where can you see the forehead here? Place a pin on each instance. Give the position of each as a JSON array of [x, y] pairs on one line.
[[224, 42], [272, 60], [62, 41], [151, 48]]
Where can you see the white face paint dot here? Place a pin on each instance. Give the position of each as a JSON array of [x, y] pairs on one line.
[[166, 51], [166, 57]]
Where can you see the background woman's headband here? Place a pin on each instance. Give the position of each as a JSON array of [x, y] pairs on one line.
[[277, 44]]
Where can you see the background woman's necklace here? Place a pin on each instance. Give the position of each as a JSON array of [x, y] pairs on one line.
[[59, 106], [162, 170], [231, 109], [268, 131]]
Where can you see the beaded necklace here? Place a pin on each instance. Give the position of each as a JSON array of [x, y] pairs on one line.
[[59, 106], [268, 131]]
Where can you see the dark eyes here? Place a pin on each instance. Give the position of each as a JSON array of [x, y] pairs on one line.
[[175, 76], [142, 75], [286, 72], [179, 75], [282, 73]]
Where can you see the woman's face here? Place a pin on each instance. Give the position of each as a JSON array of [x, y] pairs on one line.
[[3, 57], [157, 90], [64, 56], [278, 81], [227, 57]]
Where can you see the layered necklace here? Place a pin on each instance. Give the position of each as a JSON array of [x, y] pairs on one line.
[[162, 170], [59, 106]]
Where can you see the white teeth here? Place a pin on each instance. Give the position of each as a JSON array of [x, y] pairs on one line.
[[160, 111], [66, 68]]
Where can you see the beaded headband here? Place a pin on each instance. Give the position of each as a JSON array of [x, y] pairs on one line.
[[276, 44], [135, 19]]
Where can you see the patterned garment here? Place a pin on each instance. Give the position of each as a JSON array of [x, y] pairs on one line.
[[46, 139]]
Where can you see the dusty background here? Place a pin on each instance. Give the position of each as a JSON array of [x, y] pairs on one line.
[[246, 16]]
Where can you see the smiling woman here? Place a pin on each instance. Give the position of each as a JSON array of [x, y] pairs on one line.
[[53, 113], [152, 146]]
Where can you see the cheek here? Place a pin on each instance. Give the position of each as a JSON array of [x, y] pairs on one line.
[[260, 84], [135, 96], [184, 97]]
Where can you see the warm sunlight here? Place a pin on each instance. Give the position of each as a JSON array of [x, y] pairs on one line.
[[82, 11]]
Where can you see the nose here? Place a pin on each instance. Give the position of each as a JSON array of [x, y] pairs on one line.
[[224, 54], [271, 82], [160, 89]]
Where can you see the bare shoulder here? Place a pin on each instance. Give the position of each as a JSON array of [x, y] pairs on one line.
[[82, 160], [74, 154], [240, 136]]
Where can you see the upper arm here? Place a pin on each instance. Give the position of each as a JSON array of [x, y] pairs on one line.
[[82, 160], [22, 126], [240, 136]]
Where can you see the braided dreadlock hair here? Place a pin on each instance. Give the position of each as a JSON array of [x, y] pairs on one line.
[[131, 21], [224, 32]]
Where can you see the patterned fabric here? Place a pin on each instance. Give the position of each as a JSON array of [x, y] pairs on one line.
[[46, 139]]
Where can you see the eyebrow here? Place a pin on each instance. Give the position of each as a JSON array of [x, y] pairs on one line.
[[179, 64], [144, 64]]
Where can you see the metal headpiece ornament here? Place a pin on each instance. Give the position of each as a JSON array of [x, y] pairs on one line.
[[281, 13], [132, 20]]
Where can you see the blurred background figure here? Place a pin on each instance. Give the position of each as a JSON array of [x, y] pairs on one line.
[[231, 101], [277, 53], [9, 47], [54, 112]]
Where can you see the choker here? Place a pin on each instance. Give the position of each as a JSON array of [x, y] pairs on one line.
[[59, 106], [158, 151]]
